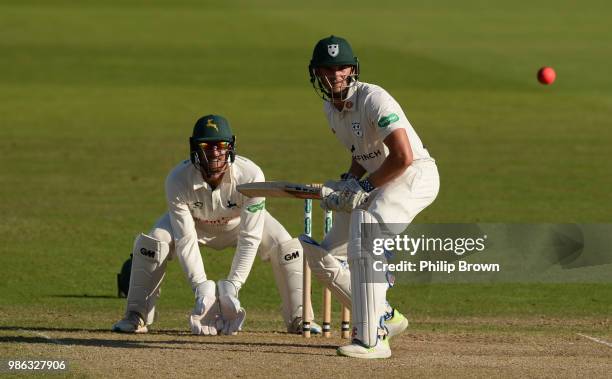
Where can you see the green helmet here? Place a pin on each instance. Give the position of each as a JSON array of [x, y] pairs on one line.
[[210, 128], [331, 51]]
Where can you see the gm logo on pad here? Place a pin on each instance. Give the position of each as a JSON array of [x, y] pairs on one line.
[[148, 253], [291, 256]]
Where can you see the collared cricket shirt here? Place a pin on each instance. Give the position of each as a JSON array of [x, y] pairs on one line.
[[194, 207], [370, 114]]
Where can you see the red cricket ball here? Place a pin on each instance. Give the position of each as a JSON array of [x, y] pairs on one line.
[[546, 75]]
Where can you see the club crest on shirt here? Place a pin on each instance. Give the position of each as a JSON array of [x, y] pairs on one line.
[[357, 129]]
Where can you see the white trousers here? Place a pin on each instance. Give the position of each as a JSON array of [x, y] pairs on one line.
[[393, 206], [273, 235], [397, 202]]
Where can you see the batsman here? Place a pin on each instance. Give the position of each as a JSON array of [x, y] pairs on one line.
[[391, 178], [205, 209]]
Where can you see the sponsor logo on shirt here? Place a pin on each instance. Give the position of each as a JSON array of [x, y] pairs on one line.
[[387, 120], [219, 221], [257, 207], [197, 204], [367, 156], [230, 204]]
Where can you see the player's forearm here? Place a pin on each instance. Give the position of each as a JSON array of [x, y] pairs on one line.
[[186, 242], [242, 263], [249, 238], [356, 169], [392, 167], [399, 158], [188, 254]]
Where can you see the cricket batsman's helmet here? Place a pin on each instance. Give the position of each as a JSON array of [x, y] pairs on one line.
[[332, 51], [210, 132]]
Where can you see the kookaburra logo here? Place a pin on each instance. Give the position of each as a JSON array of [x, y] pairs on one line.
[[211, 124], [333, 50]]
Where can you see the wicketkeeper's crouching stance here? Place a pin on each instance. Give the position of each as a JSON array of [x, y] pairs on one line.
[[204, 207]]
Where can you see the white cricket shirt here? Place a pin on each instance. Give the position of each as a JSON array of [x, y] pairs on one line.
[[191, 202], [370, 114]]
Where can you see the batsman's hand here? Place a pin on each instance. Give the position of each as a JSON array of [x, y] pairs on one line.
[[205, 319], [336, 195], [347, 197], [232, 313], [344, 201], [328, 188]]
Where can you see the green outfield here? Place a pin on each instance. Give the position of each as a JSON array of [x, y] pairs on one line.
[[98, 98]]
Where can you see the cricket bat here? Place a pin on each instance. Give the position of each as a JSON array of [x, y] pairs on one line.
[[281, 189]]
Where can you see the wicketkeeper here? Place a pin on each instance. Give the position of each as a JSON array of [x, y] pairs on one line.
[[205, 208], [402, 179]]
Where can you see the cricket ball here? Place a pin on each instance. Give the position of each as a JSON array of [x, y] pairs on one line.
[[546, 75]]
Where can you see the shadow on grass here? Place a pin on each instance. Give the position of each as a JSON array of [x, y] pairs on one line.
[[50, 329], [84, 296], [189, 343]]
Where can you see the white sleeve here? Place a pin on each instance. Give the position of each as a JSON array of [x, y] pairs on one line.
[[385, 114], [249, 237], [184, 234]]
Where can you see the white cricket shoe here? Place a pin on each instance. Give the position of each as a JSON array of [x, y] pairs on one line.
[[358, 350], [132, 323], [395, 322]]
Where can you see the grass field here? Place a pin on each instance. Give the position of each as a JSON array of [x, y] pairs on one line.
[[97, 100]]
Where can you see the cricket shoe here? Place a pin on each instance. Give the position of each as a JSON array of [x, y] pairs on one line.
[[395, 322], [131, 323], [358, 350], [296, 327]]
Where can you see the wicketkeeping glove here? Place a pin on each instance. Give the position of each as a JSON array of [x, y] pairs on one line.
[[206, 318], [232, 313]]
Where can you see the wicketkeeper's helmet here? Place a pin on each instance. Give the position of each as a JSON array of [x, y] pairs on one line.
[[208, 129]]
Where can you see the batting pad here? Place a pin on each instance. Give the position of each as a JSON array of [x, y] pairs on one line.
[[368, 294], [328, 270], [287, 265], [148, 271]]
